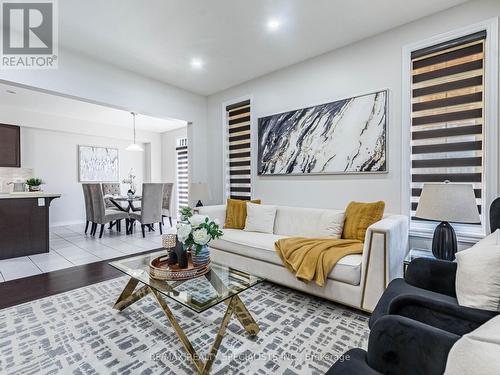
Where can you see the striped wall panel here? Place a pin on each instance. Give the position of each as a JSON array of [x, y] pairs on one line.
[[238, 152], [447, 115]]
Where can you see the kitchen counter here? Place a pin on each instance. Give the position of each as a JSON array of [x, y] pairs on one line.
[[24, 223], [28, 195]]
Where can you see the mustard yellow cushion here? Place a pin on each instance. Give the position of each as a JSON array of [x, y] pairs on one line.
[[236, 213], [359, 216]]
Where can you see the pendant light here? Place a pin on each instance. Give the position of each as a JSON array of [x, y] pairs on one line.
[[134, 146]]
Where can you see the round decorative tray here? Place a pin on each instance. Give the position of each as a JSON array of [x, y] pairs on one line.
[[160, 270]]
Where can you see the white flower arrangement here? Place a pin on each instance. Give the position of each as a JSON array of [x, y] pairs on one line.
[[196, 230], [183, 231]]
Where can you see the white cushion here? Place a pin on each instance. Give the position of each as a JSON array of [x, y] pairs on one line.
[[476, 352], [260, 218], [260, 246], [491, 239], [478, 277], [308, 222]]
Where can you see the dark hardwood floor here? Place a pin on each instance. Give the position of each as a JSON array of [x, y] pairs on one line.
[[34, 287]]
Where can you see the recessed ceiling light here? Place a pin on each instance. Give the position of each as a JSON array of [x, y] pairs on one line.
[[273, 24], [10, 92], [196, 63]]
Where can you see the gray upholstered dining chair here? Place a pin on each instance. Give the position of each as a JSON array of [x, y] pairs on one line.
[[100, 215], [151, 208], [88, 206], [110, 188], [166, 210]]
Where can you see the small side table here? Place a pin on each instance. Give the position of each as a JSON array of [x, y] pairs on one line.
[[416, 253]]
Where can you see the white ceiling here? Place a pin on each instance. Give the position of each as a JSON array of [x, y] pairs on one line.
[[158, 38], [41, 102]]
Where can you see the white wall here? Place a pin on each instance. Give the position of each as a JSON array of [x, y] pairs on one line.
[[169, 160], [370, 65], [54, 158], [95, 81]]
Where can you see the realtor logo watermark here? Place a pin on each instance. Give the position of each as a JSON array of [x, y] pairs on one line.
[[29, 34]]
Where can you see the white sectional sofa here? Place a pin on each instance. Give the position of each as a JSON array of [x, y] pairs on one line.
[[356, 280]]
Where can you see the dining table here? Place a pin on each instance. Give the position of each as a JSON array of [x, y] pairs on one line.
[[118, 199]]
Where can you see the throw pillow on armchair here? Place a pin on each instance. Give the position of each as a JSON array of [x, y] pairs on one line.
[[478, 277]]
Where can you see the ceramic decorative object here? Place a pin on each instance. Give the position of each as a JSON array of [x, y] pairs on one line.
[[203, 257]]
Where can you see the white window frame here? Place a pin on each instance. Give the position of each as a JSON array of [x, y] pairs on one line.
[[253, 148], [465, 233]]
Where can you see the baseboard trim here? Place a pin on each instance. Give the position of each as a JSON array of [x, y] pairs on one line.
[[64, 223]]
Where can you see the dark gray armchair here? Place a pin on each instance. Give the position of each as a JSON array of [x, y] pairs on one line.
[[100, 215], [427, 294], [151, 208], [398, 345]]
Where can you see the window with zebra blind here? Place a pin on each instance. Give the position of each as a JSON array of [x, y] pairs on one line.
[[238, 151], [182, 173], [447, 115]]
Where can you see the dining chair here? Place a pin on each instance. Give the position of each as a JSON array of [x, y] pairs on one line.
[[110, 188], [101, 215], [151, 208], [167, 202], [88, 206]]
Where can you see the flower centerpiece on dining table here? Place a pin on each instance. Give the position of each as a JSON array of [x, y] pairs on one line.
[[195, 232], [131, 181]]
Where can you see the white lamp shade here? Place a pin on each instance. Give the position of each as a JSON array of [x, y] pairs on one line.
[[199, 191], [134, 147], [448, 202]]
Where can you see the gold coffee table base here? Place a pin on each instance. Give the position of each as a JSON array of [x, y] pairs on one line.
[[234, 306]]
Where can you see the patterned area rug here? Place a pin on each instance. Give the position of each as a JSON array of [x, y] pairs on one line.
[[78, 332]]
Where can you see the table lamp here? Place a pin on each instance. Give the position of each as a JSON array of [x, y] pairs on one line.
[[199, 192], [447, 202]]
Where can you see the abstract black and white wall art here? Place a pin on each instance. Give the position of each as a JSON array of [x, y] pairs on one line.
[[345, 136], [98, 164]]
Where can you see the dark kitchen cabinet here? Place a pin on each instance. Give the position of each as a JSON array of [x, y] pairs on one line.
[[10, 146]]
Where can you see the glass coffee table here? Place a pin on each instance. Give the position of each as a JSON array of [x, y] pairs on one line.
[[220, 284]]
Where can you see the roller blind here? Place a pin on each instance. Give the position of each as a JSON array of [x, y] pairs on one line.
[[238, 160], [447, 115], [182, 173]]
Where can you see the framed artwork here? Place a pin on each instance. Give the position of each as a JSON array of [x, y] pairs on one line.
[[341, 137], [98, 164]]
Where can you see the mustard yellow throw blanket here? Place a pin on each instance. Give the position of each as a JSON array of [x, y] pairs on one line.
[[312, 259]]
